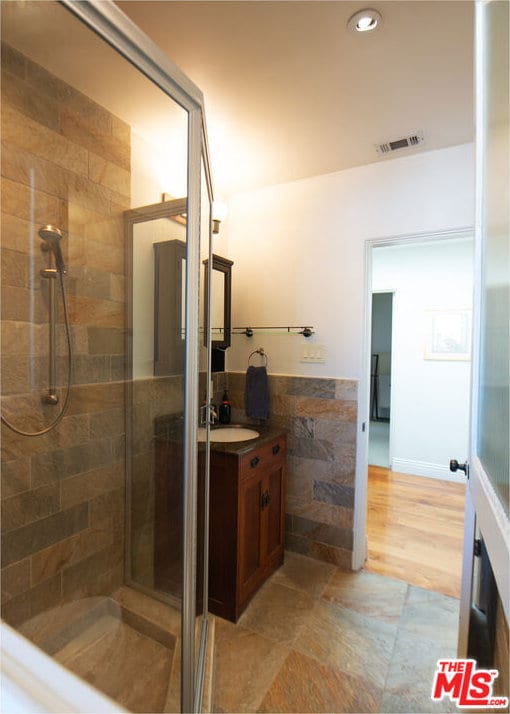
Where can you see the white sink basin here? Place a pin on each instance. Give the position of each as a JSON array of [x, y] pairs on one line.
[[229, 433]]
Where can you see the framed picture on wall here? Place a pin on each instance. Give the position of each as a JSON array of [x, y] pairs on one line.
[[448, 334]]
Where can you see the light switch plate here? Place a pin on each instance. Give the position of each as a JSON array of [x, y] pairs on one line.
[[313, 353]]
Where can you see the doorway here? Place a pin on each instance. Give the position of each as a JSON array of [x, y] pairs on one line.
[[425, 405], [421, 334]]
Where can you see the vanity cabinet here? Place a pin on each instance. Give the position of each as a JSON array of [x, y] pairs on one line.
[[247, 523]]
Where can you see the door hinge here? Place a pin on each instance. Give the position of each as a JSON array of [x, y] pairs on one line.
[[477, 547]]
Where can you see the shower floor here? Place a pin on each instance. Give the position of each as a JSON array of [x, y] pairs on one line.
[[117, 659], [126, 645]]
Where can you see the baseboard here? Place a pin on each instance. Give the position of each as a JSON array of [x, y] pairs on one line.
[[423, 468]]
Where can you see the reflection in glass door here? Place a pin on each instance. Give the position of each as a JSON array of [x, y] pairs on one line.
[[156, 290], [156, 326]]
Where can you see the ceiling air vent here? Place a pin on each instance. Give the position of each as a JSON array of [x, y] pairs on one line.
[[405, 142]]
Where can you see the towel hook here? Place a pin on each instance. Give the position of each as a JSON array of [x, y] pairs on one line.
[[260, 352]]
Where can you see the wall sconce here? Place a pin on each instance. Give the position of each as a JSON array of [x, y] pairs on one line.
[[219, 213]]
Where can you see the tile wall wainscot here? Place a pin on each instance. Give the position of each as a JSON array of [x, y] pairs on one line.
[[66, 161], [320, 418]]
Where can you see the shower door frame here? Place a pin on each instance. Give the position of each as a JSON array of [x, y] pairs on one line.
[[110, 23]]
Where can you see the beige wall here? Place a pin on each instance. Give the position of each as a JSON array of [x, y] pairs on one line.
[[309, 237], [65, 161], [312, 235]]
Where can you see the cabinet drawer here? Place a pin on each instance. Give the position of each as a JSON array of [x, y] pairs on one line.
[[261, 458]]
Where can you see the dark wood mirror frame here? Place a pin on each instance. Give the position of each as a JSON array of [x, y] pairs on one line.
[[224, 266]]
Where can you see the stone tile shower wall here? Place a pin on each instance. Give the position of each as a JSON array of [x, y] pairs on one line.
[[320, 418], [66, 162]]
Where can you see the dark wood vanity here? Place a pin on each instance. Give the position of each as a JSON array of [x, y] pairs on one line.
[[247, 517], [247, 521]]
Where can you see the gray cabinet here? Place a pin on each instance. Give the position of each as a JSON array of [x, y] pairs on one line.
[[169, 302]]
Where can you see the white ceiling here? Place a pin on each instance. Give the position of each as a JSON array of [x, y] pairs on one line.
[[290, 92]]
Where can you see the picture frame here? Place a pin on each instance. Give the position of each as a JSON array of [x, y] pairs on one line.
[[448, 334]]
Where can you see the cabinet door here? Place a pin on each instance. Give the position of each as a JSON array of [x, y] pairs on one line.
[[273, 513], [250, 554]]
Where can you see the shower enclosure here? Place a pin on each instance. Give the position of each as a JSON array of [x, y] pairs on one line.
[[106, 226]]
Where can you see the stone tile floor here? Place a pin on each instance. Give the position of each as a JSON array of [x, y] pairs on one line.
[[313, 639], [317, 639], [129, 667]]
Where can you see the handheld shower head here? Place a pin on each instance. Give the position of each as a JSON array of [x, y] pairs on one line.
[[52, 236]]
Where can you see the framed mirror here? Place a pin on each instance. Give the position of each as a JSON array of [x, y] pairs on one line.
[[221, 289]]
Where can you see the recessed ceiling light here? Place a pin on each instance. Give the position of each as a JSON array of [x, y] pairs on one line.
[[364, 21]]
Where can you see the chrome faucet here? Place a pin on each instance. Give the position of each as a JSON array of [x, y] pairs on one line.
[[209, 413]]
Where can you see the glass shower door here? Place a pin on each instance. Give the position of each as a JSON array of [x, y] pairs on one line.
[[92, 131]]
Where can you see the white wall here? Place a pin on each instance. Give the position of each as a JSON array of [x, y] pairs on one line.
[[298, 250], [159, 167], [430, 398]]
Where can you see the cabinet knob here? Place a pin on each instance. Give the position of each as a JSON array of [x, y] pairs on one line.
[[276, 449], [254, 461]]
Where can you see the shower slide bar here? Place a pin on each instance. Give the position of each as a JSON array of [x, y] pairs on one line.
[[51, 396], [51, 238]]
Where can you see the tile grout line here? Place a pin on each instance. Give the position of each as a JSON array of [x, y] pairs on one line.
[[397, 631]]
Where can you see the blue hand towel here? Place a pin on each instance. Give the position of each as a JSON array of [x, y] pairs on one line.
[[256, 395]]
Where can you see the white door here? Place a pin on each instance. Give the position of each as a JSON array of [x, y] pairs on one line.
[[488, 483]]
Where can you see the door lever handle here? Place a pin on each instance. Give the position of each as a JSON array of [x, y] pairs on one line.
[[455, 466]]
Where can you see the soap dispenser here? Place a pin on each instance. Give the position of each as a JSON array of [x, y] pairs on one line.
[[225, 409]]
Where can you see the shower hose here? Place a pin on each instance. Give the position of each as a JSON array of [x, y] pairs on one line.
[[65, 405]]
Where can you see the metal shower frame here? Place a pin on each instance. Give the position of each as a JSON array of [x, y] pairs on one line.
[[110, 23]]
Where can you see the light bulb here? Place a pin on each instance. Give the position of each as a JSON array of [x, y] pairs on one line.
[[365, 23], [219, 211]]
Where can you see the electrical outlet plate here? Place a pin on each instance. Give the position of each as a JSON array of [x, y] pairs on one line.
[[312, 353]]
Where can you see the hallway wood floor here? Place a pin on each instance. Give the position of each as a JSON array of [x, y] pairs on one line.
[[415, 529]]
